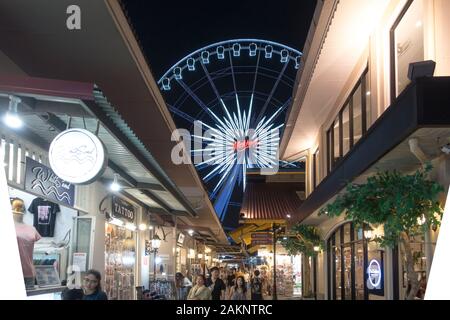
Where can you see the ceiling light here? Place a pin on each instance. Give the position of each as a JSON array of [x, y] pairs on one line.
[[288, 216], [115, 186], [191, 232], [150, 227], [419, 24], [116, 222], [11, 118]]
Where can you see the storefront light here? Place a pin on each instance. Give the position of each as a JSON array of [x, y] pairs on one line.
[[150, 227], [115, 186], [116, 222], [316, 248], [142, 227], [130, 226], [207, 250], [200, 255], [11, 118], [368, 234], [156, 242]]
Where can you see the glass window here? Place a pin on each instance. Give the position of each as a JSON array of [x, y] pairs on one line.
[[357, 115], [316, 168], [338, 293], [347, 256], [336, 142], [367, 94], [408, 43], [348, 263], [346, 129], [359, 270]]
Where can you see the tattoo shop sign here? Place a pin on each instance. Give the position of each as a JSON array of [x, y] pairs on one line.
[[122, 210], [41, 180]]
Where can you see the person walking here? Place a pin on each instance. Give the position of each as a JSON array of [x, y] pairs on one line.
[[239, 290], [199, 291], [92, 286], [256, 287], [216, 285]]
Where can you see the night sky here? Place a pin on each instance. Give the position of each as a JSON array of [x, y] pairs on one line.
[[170, 30]]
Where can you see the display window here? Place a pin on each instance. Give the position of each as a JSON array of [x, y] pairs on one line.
[[120, 261], [355, 265]]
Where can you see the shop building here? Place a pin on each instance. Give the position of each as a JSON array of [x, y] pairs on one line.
[[169, 197], [355, 112]]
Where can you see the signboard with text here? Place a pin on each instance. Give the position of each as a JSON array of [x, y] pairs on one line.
[[41, 180], [122, 209]]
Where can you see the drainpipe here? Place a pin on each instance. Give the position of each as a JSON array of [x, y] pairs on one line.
[[415, 148]]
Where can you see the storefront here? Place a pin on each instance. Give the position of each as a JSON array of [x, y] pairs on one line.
[[91, 212]]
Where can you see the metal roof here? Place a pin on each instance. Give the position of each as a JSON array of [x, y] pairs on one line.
[[269, 201]]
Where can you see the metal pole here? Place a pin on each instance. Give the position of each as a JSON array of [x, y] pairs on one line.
[[154, 266], [274, 293]]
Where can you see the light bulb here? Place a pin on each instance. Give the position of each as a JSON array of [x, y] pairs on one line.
[[115, 186], [12, 120]]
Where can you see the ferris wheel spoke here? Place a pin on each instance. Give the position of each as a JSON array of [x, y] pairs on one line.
[[211, 81], [194, 97], [232, 71], [263, 110], [181, 114]]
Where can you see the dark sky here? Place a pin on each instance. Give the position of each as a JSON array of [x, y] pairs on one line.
[[169, 30]]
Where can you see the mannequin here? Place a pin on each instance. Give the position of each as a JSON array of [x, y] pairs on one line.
[[26, 237]]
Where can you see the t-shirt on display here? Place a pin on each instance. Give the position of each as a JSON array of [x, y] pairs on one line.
[[44, 212]]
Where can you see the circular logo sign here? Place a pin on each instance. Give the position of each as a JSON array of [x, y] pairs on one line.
[[77, 156], [374, 273]]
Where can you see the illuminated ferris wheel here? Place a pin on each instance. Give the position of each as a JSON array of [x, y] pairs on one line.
[[237, 90]]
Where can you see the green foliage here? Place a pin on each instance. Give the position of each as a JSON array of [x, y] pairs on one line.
[[395, 200], [303, 240]]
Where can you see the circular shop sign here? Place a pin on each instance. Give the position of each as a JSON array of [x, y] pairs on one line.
[[374, 273], [77, 156]]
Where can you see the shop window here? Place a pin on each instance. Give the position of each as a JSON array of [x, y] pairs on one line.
[[407, 44], [349, 256]]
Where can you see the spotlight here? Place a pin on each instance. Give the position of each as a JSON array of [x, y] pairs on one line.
[[421, 69], [115, 186], [11, 118]]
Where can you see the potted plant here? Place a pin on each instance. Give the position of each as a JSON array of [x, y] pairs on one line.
[[405, 204]]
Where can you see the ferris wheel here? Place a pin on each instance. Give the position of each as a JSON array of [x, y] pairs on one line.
[[238, 91]]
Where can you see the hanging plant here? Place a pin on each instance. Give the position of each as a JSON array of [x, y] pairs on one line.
[[405, 205]]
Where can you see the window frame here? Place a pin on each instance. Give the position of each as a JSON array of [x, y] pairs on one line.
[[331, 163], [393, 65]]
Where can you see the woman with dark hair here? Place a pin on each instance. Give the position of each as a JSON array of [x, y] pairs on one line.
[[92, 286], [239, 291], [199, 291]]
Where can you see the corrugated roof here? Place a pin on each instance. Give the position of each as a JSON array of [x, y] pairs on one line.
[[270, 200]]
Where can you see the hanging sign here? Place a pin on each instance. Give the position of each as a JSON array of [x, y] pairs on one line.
[[42, 180], [77, 156], [121, 209]]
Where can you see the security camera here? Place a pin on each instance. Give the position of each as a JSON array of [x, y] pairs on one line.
[[446, 148]]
